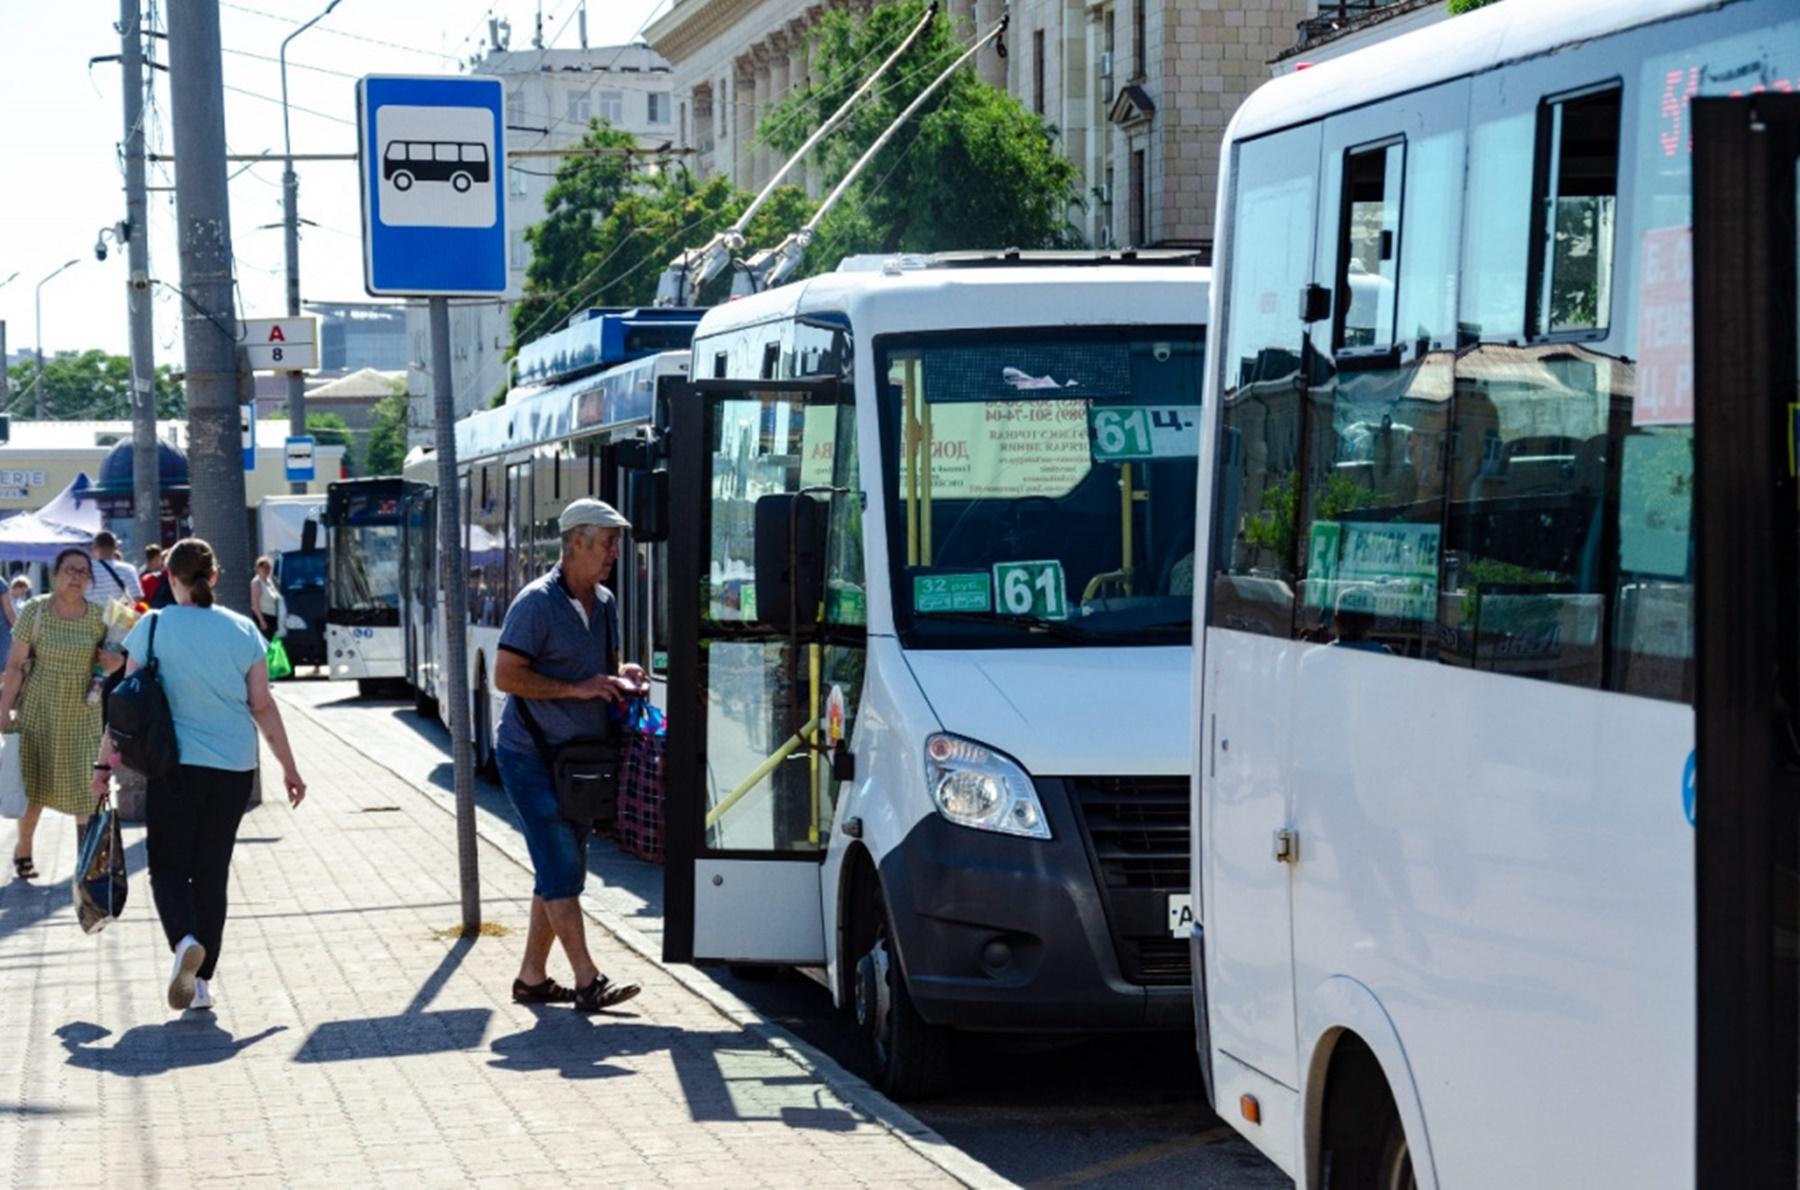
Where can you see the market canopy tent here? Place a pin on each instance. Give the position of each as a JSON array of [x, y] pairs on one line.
[[65, 521]]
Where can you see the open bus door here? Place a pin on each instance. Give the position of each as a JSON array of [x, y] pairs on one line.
[[1747, 639], [748, 812]]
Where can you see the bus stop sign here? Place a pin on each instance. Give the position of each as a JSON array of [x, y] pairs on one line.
[[432, 151]]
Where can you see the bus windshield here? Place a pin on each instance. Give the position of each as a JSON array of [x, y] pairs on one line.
[[1040, 485], [365, 574]]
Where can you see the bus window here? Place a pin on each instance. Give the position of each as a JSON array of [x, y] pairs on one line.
[[1498, 235], [1578, 172], [1369, 246], [488, 591], [518, 526], [1270, 262]]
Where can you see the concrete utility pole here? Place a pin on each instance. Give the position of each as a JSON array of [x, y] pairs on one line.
[[456, 612], [146, 481], [209, 322], [290, 214]]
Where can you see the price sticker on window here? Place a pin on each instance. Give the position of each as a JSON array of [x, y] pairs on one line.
[[1123, 433], [1031, 589], [952, 593]]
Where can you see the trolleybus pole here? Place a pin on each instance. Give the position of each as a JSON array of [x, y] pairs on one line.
[[452, 574]]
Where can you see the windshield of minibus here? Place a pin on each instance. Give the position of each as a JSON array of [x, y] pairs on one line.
[[1040, 485], [365, 573]]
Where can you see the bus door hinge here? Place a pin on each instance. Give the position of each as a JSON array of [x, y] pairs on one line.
[[1287, 845]]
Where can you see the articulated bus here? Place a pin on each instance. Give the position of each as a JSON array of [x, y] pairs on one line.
[[363, 559], [929, 600], [1495, 759], [581, 425]]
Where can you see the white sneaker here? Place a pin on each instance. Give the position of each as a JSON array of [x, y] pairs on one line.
[[202, 995], [189, 954]]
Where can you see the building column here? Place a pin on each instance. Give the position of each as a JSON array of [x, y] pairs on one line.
[[989, 65], [962, 20], [760, 166], [700, 134], [743, 122], [778, 92]]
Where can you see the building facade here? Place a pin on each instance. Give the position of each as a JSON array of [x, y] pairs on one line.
[[552, 96], [1138, 91]]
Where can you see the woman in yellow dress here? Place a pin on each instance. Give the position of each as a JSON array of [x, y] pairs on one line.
[[60, 635]]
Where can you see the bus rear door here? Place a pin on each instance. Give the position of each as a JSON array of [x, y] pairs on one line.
[[1744, 783]]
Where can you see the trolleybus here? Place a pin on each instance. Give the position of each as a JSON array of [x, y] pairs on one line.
[[364, 548], [1459, 606]]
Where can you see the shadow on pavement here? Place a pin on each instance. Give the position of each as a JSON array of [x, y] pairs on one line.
[[414, 1032], [25, 903], [195, 1039], [724, 1076]]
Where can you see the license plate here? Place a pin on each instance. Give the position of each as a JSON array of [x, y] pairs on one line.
[[1181, 915]]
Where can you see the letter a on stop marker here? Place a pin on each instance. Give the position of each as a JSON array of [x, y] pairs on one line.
[[275, 335]]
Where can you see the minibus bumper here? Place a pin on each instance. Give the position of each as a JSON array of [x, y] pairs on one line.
[[998, 933]]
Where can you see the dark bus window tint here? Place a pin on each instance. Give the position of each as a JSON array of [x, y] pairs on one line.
[[1526, 565], [1257, 502], [1369, 246], [1497, 235], [1578, 171], [488, 591]]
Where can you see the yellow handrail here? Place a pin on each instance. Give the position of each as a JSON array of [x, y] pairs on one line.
[[794, 743]]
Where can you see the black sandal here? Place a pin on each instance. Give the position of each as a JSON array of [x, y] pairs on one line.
[[602, 994], [548, 992], [23, 868]]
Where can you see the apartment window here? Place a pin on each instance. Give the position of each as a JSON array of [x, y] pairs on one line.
[[515, 181], [1139, 55], [610, 106], [1106, 209], [681, 137], [521, 252], [657, 107], [515, 109], [581, 108], [1578, 184], [1037, 72], [1108, 50], [1139, 200]]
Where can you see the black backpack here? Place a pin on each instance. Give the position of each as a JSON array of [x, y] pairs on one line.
[[137, 715]]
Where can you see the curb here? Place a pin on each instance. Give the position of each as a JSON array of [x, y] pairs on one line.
[[912, 1132]]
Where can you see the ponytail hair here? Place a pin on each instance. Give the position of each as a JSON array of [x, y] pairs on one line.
[[191, 561]]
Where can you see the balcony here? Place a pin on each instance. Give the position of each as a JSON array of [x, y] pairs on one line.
[[1336, 17]]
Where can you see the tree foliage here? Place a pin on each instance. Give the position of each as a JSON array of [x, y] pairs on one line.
[[387, 434], [88, 386], [1458, 7], [330, 429], [971, 169]]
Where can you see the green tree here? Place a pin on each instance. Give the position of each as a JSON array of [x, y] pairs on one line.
[[88, 386], [972, 169], [1458, 7], [329, 429], [387, 434]]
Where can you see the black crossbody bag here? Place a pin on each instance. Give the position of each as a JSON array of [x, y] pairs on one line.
[[584, 772]]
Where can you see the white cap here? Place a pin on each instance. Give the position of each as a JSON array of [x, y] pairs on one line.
[[587, 511]]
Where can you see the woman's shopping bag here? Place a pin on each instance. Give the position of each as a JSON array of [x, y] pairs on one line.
[[13, 803], [640, 816], [279, 666], [100, 880]]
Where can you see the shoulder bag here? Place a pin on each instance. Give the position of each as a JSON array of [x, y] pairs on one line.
[[138, 716], [584, 772]]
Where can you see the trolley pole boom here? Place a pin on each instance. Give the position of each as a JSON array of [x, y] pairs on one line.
[[684, 276]]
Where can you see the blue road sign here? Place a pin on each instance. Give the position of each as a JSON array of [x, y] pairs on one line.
[[247, 424], [300, 459], [433, 151]]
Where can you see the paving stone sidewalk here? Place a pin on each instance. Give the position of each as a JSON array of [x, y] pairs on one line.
[[355, 1044]]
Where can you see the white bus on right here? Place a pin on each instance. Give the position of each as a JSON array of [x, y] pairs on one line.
[[1446, 675]]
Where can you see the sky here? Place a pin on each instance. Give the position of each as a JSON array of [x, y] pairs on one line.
[[61, 123]]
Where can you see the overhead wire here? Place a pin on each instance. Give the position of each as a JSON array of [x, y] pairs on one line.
[[345, 33]]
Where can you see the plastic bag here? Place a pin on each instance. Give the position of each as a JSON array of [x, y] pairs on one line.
[[279, 666], [120, 618], [13, 802], [100, 881]]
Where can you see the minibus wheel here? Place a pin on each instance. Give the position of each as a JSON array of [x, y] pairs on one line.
[[912, 1056], [1363, 1146]]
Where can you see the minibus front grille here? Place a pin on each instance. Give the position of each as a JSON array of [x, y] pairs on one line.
[[1136, 830]]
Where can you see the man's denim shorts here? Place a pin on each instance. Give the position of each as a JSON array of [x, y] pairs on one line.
[[558, 848]]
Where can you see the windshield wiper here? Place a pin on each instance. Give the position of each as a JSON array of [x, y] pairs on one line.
[[1060, 629]]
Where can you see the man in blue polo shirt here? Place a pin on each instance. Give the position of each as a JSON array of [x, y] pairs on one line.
[[559, 666]]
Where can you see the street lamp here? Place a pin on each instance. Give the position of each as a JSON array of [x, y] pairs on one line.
[[37, 381], [290, 204]]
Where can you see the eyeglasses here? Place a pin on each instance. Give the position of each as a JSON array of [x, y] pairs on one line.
[[77, 572]]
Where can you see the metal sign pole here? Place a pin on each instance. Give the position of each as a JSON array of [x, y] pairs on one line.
[[456, 610]]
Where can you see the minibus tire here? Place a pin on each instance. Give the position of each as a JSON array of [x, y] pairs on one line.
[[425, 705], [912, 1059], [1364, 1144]]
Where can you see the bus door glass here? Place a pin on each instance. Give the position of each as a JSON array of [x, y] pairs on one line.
[[1742, 789], [750, 807]]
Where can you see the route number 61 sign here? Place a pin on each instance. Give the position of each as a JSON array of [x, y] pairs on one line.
[[1031, 589]]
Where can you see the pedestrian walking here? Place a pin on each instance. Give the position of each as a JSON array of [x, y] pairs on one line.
[[114, 577], [265, 598], [210, 663], [53, 674], [559, 665], [152, 576]]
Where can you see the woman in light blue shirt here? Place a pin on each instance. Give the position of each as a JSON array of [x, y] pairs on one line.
[[211, 666]]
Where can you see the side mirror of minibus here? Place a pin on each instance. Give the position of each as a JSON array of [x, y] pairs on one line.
[[790, 558], [647, 505]]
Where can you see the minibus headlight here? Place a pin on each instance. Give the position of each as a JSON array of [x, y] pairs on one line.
[[977, 787]]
